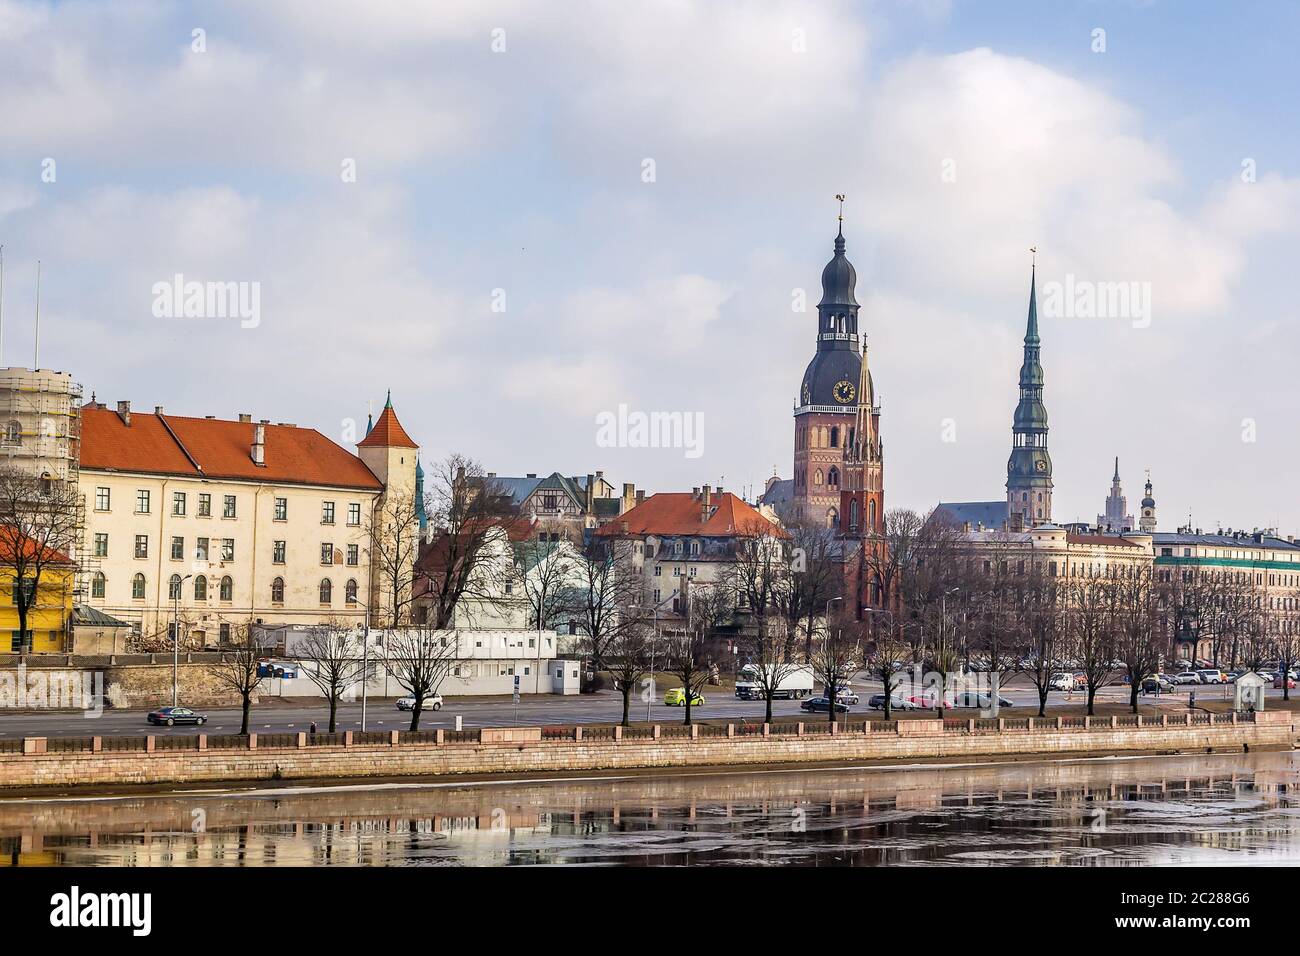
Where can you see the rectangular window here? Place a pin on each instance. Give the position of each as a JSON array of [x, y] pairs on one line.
[[205, 505], [326, 552], [142, 546], [178, 548], [103, 499], [228, 508], [101, 545], [178, 503], [277, 553], [354, 514], [227, 549], [142, 501], [281, 509], [327, 512], [201, 549], [354, 554], [224, 633]]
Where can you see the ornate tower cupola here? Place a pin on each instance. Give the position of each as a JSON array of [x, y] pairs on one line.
[[1029, 469], [1147, 520]]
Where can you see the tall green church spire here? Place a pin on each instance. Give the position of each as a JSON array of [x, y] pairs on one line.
[[1029, 469]]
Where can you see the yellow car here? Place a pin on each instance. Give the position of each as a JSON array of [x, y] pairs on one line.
[[677, 698]]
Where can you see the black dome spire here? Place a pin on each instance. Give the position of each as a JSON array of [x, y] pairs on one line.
[[839, 277]]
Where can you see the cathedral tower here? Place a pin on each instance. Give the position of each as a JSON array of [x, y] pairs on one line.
[[827, 411], [1029, 469], [1147, 521]]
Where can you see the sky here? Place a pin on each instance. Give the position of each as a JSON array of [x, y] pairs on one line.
[[521, 216]]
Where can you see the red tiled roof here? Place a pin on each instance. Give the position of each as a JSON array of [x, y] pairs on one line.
[[679, 513], [387, 433], [8, 534], [215, 448]]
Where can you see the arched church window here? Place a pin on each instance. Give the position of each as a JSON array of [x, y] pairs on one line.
[[817, 477], [833, 478], [835, 436], [871, 515], [832, 516], [853, 515]]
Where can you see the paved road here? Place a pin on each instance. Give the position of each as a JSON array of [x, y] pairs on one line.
[[282, 716]]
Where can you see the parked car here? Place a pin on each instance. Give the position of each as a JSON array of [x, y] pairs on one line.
[[927, 702], [1277, 683], [1212, 675], [1157, 683], [877, 702], [1080, 681], [677, 698], [980, 701], [430, 703], [847, 695], [1186, 677], [821, 704], [1061, 682], [169, 716]]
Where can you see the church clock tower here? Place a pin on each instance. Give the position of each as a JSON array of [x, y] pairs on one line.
[[1029, 469], [826, 413]]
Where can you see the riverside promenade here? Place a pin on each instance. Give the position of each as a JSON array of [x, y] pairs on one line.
[[38, 762]]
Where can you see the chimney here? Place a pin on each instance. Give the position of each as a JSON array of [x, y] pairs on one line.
[[629, 494], [531, 474], [600, 475], [259, 444], [695, 492], [705, 500], [591, 492], [124, 412], [245, 417], [640, 496], [624, 524], [492, 474], [157, 409]]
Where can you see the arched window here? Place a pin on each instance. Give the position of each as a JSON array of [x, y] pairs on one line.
[[833, 478], [326, 591], [817, 477], [174, 588], [350, 591], [97, 585], [227, 589], [832, 516], [277, 591], [200, 588], [137, 587], [871, 514], [13, 434], [853, 515], [835, 436]]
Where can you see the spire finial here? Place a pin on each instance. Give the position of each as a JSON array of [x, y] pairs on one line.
[[1033, 257], [1117, 467], [388, 402], [840, 198]]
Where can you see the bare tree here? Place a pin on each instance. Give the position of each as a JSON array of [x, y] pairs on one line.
[[544, 571], [1038, 618], [889, 652], [608, 586], [835, 658], [420, 658], [760, 581], [393, 540], [1090, 632], [1286, 644], [816, 577], [330, 655], [470, 514], [687, 647], [1137, 632], [627, 656], [238, 669], [39, 523]]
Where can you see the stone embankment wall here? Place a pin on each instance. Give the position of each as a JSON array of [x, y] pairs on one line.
[[103, 761]]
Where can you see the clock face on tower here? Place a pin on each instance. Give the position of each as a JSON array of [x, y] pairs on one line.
[[1041, 465], [844, 391]]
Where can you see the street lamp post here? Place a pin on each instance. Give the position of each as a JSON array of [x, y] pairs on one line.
[[176, 640]]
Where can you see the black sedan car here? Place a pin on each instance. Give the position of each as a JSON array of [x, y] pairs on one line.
[[822, 705], [168, 716], [980, 701]]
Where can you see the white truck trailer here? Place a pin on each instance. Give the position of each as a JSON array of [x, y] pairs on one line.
[[796, 681]]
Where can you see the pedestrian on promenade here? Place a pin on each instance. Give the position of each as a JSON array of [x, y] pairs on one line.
[[312, 729]]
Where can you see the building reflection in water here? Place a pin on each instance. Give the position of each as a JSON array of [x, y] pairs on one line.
[[1197, 809]]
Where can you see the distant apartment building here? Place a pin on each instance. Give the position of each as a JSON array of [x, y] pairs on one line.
[[563, 505], [216, 522], [682, 540]]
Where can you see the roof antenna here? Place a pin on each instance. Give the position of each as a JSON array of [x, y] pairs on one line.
[[36, 357]]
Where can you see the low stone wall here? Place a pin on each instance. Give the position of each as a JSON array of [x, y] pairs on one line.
[[97, 761]]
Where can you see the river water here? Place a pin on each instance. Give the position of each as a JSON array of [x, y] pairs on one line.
[[1233, 809]]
